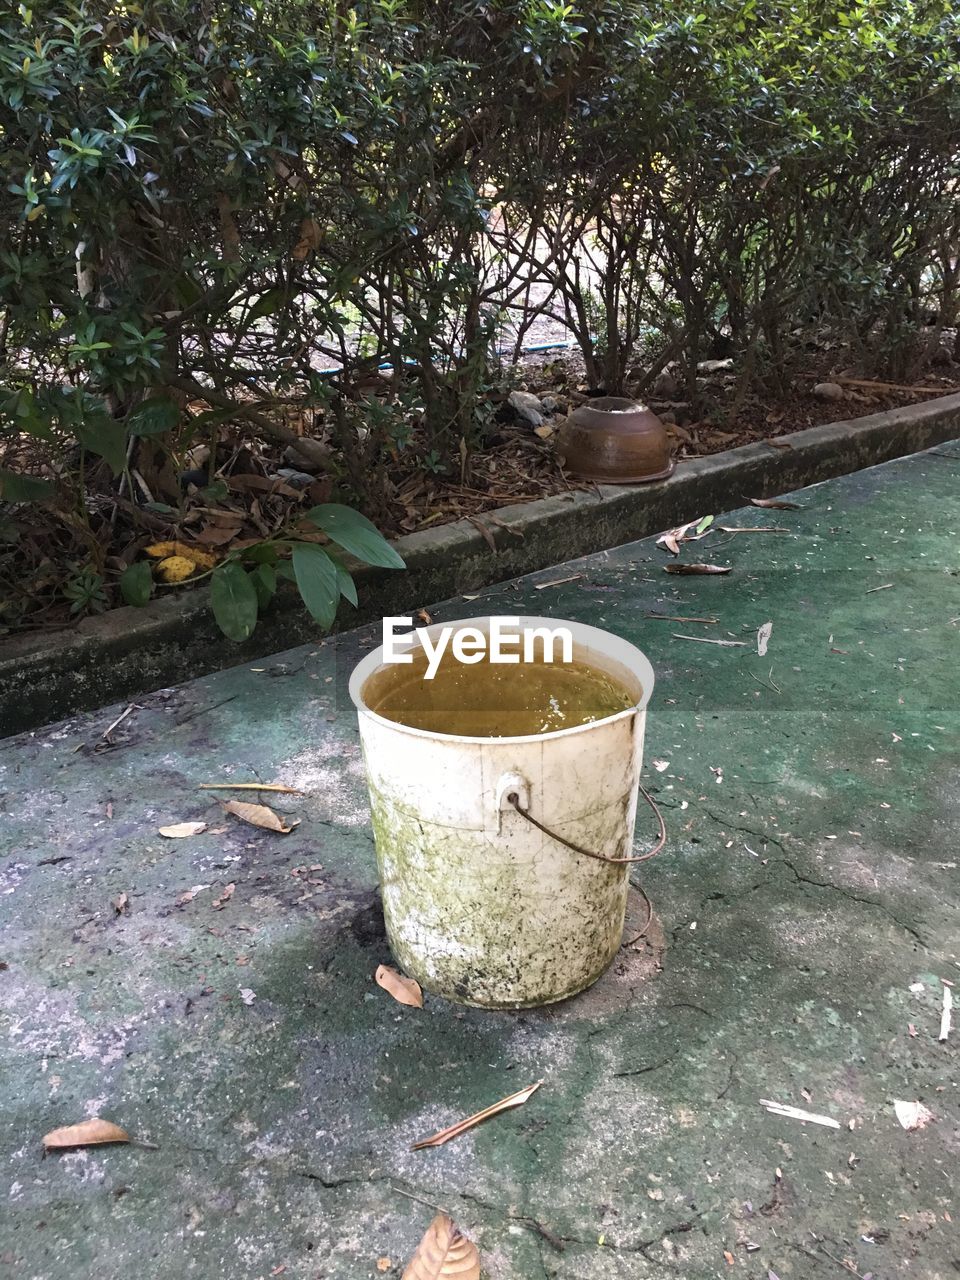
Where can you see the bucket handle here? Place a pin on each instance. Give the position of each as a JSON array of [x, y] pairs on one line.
[[514, 798]]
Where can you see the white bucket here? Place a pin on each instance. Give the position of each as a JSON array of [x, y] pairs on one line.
[[480, 906]]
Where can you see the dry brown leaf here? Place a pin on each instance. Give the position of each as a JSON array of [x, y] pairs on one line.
[[121, 904], [384, 1264], [455, 1130], [310, 237], [673, 537], [776, 504], [696, 568], [775, 443], [484, 532], [444, 1253], [179, 830], [224, 898], [89, 1133], [728, 1257], [259, 815], [404, 990], [263, 484], [213, 535]]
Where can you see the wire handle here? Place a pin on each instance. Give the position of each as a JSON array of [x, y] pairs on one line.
[[514, 799]]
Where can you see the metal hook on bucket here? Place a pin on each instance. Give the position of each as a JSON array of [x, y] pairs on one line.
[[514, 799]]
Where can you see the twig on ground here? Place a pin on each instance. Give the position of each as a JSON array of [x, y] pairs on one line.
[[672, 617], [727, 644], [796, 1113]]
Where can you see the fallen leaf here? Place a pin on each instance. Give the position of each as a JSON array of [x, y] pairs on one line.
[[247, 995], [183, 550], [384, 1264], [263, 484], [181, 829], [484, 532], [912, 1115], [728, 1257], [121, 904], [696, 568], [444, 1252], [89, 1133], [259, 815], [455, 1130], [404, 990], [777, 444], [224, 897], [776, 504], [763, 638], [217, 535], [175, 569], [190, 894]]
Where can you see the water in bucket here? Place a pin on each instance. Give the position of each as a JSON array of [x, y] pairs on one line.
[[490, 700]]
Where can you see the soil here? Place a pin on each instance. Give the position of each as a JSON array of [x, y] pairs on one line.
[[247, 502]]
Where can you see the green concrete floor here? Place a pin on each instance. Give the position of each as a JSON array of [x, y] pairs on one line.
[[809, 883]]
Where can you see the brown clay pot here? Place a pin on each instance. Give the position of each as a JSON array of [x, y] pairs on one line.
[[615, 441]]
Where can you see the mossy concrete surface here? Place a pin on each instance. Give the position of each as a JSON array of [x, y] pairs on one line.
[[806, 915], [127, 652]]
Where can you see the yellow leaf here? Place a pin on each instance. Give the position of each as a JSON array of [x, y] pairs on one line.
[[444, 1253], [90, 1133], [175, 569], [259, 815], [180, 829], [161, 550], [404, 990]]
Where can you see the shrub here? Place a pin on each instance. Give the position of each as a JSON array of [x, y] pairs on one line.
[[307, 222]]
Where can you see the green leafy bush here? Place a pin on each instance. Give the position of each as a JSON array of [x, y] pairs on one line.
[[305, 224]]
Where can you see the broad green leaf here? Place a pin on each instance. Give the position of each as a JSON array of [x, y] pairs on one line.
[[233, 599], [262, 553], [345, 583], [264, 579], [266, 305], [705, 523], [316, 576], [105, 436], [347, 586], [18, 488], [154, 416], [136, 583], [355, 533]]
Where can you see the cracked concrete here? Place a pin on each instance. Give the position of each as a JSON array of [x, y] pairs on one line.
[[805, 915]]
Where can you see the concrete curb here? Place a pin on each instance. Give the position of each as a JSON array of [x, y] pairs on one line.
[[131, 651]]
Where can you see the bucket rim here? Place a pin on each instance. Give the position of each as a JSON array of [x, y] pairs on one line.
[[605, 641]]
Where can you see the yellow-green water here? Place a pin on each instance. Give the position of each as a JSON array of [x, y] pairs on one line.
[[490, 700]]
